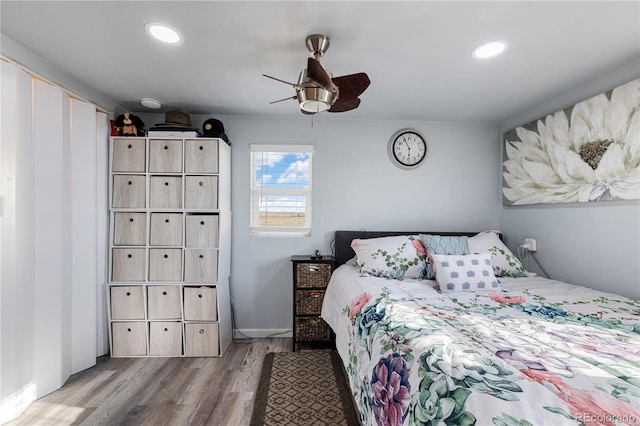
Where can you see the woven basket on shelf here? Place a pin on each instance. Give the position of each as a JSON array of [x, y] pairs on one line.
[[309, 302], [313, 274], [312, 329]]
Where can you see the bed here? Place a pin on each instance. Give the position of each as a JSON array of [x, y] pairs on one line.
[[526, 350]]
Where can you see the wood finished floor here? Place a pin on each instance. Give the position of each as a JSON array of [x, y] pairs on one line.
[[159, 391]]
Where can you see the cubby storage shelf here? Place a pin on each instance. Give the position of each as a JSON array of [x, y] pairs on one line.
[[169, 247]]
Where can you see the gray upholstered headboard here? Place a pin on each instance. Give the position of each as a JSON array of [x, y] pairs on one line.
[[342, 242]]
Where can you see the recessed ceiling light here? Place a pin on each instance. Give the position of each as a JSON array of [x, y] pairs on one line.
[[490, 49], [163, 33], [150, 103]]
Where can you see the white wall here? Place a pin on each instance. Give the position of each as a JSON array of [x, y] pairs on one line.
[[354, 186], [596, 244]]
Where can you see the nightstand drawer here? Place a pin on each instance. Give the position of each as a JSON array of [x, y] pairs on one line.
[[309, 302], [312, 330], [313, 274]]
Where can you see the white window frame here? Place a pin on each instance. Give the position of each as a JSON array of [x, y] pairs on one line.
[[257, 191]]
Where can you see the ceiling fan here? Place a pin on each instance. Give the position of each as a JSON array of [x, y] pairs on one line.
[[317, 90]]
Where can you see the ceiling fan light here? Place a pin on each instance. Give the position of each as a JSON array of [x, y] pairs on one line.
[[490, 49], [315, 99]]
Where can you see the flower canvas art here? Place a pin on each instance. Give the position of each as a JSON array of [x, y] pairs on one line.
[[584, 153]]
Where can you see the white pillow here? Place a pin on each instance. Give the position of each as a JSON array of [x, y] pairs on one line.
[[505, 264], [468, 272], [395, 257]]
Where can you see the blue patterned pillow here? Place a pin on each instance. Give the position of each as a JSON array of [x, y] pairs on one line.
[[442, 244], [472, 272]]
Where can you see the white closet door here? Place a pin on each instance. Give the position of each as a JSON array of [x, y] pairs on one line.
[[48, 196], [83, 235], [102, 228], [17, 244]]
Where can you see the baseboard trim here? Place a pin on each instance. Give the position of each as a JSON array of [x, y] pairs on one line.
[[260, 333]]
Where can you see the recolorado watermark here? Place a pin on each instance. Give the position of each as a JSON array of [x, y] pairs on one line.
[[626, 419]]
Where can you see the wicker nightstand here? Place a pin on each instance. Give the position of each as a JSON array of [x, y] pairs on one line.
[[310, 278]]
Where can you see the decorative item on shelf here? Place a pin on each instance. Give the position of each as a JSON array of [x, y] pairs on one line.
[[213, 128], [176, 124], [317, 254], [128, 124]]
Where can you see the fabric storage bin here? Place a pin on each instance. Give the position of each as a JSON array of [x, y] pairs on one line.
[[129, 191], [128, 264], [201, 266], [165, 192], [200, 156], [166, 229], [165, 156], [201, 192], [200, 304], [201, 230], [128, 339], [163, 302], [201, 339], [128, 155], [165, 338], [130, 229], [127, 302], [165, 264]]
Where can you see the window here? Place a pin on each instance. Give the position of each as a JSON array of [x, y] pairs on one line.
[[281, 190]]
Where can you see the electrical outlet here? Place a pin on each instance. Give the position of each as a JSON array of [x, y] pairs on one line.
[[530, 244]]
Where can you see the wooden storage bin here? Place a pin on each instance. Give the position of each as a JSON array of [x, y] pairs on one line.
[[166, 229], [201, 192], [313, 274], [165, 338], [201, 339], [165, 156], [128, 155], [309, 302], [128, 264], [129, 191], [165, 264], [201, 230], [163, 302], [312, 329], [128, 339], [201, 266], [127, 302], [130, 229], [200, 304], [165, 192], [201, 156]]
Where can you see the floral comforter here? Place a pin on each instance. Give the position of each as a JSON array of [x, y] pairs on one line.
[[536, 352]]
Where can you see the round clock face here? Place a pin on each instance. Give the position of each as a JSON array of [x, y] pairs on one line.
[[407, 148]]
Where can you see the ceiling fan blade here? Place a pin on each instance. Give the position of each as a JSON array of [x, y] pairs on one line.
[[343, 105], [352, 85], [285, 99], [316, 72], [297, 86]]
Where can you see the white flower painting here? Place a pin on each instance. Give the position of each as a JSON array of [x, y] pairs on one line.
[[587, 152]]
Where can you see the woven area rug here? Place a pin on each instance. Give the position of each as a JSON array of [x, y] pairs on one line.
[[303, 388]]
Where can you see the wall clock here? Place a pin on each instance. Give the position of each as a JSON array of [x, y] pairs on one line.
[[407, 149]]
